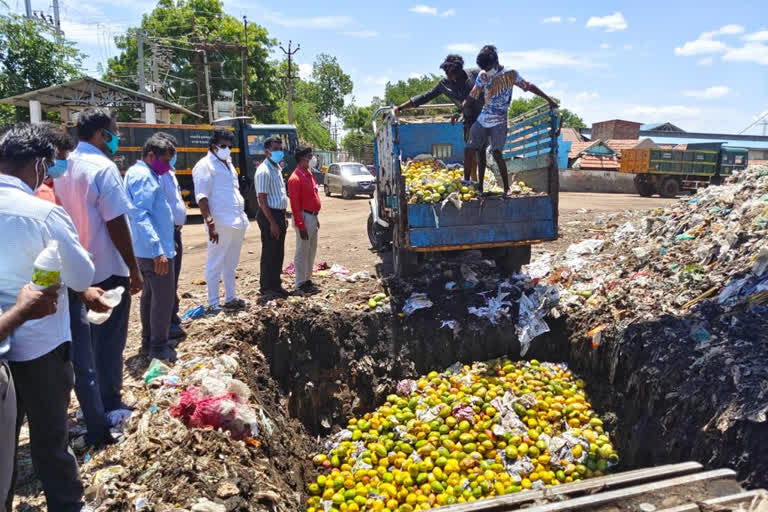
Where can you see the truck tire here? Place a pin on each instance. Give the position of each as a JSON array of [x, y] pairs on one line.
[[642, 186], [379, 236], [405, 262], [669, 187], [251, 204]]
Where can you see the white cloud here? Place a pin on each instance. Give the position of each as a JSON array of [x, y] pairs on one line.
[[710, 93], [605, 46], [552, 19], [305, 71], [628, 47], [725, 30], [543, 59], [424, 9], [448, 12], [662, 111], [462, 47], [705, 62], [611, 23], [761, 35], [750, 52], [315, 22], [362, 34], [700, 47], [572, 19], [588, 95]]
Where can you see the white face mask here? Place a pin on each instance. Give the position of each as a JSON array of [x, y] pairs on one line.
[[223, 153]]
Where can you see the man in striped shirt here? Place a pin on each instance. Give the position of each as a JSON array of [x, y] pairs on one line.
[[272, 219]]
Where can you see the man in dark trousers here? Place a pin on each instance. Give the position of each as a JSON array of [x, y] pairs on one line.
[[456, 86], [305, 206], [272, 218]]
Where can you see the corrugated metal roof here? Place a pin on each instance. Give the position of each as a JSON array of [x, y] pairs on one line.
[[734, 143]]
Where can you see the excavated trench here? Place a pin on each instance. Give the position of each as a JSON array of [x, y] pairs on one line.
[[331, 366]]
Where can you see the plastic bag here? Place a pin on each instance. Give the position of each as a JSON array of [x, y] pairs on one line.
[[416, 302], [156, 369]]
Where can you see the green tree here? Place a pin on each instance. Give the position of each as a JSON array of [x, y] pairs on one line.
[[311, 129], [359, 145], [31, 57], [522, 105], [174, 28], [359, 119], [330, 85], [401, 91]]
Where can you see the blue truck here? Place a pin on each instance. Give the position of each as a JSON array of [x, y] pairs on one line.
[[504, 228]]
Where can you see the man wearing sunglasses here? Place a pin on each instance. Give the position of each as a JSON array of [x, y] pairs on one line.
[[217, 192]]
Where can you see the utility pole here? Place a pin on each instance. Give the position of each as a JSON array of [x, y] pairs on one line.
[[290, 53], [208, 86], [28, 6], [140, 46], [155, 71], [56, 19], [244, 57]]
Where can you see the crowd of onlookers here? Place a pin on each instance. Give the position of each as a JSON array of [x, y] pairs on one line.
[[116, 232]]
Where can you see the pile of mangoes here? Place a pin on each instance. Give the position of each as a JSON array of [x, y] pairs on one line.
[[426, 182], [466, 434]]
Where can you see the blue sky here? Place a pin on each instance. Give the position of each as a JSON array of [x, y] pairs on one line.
[[702, 65]]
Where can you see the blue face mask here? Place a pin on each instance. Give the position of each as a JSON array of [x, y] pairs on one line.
[[57, 169], [173, 160], [277, 156], [113, 143]]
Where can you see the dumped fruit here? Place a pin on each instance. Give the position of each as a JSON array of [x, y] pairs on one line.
[[376, 301], [427, 182], [468, 433]]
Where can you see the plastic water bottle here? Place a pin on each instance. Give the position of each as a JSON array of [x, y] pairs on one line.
[[110, 298], [47, 267]]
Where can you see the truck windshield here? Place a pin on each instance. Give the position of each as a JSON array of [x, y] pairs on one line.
[[256, 142], [355, 170]]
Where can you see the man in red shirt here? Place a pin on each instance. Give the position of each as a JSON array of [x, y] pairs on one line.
[[305, 205]]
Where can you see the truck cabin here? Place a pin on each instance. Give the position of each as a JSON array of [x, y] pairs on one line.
[[733, 159], [254, 136]]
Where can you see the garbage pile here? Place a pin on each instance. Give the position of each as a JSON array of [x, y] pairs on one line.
[[672, 308], [468, 433]]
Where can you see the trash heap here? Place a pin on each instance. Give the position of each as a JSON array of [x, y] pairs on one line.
[[468, 433], [672, 309]]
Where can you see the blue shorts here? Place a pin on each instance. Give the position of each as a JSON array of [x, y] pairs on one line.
[[479, 136]]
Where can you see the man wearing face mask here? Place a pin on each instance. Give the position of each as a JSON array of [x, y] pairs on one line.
[[152, 227], [93, 194], [272, 219], [217, 192], [39, 354], [64, 146], [179, 208]]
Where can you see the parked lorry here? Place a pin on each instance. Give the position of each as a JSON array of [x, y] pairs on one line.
[[504, 228], [668, 171], [193, 145]]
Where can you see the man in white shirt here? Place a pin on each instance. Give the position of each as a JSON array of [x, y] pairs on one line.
[[179, 208], [93, 194], [218, 194], [39, 352]]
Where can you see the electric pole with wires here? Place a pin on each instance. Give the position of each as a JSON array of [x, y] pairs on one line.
[[290, 53]]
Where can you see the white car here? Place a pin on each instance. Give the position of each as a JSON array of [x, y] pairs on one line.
[[349, 179]]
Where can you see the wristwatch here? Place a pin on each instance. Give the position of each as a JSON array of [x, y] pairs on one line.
[[209, 220]]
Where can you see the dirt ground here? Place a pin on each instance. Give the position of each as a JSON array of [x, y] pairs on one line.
[[343, 241]]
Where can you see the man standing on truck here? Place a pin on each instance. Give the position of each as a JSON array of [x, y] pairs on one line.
[[456, 85], [305, 206], [217, 192], [93, 194], [272, 219], [496, 84]]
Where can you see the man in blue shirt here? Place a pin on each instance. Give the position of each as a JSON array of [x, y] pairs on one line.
[[496, 84], [152, 227]]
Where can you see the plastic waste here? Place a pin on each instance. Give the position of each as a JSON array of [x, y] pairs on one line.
[[624, 231], [193, 314], [47, 267], [541, 266], [290, 269], [118, 416], [111, 299], [156, 369], [416, 302]]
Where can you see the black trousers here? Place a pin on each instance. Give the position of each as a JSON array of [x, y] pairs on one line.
[[272, 250], [43, 386]]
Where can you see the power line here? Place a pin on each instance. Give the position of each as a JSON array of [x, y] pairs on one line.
[[763, 120]]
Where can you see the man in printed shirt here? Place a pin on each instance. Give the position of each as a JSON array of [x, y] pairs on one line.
[[152, 227], [492, 122], [179, 209], [272, 219], [39, 355], [217, 191], [305, 206]]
